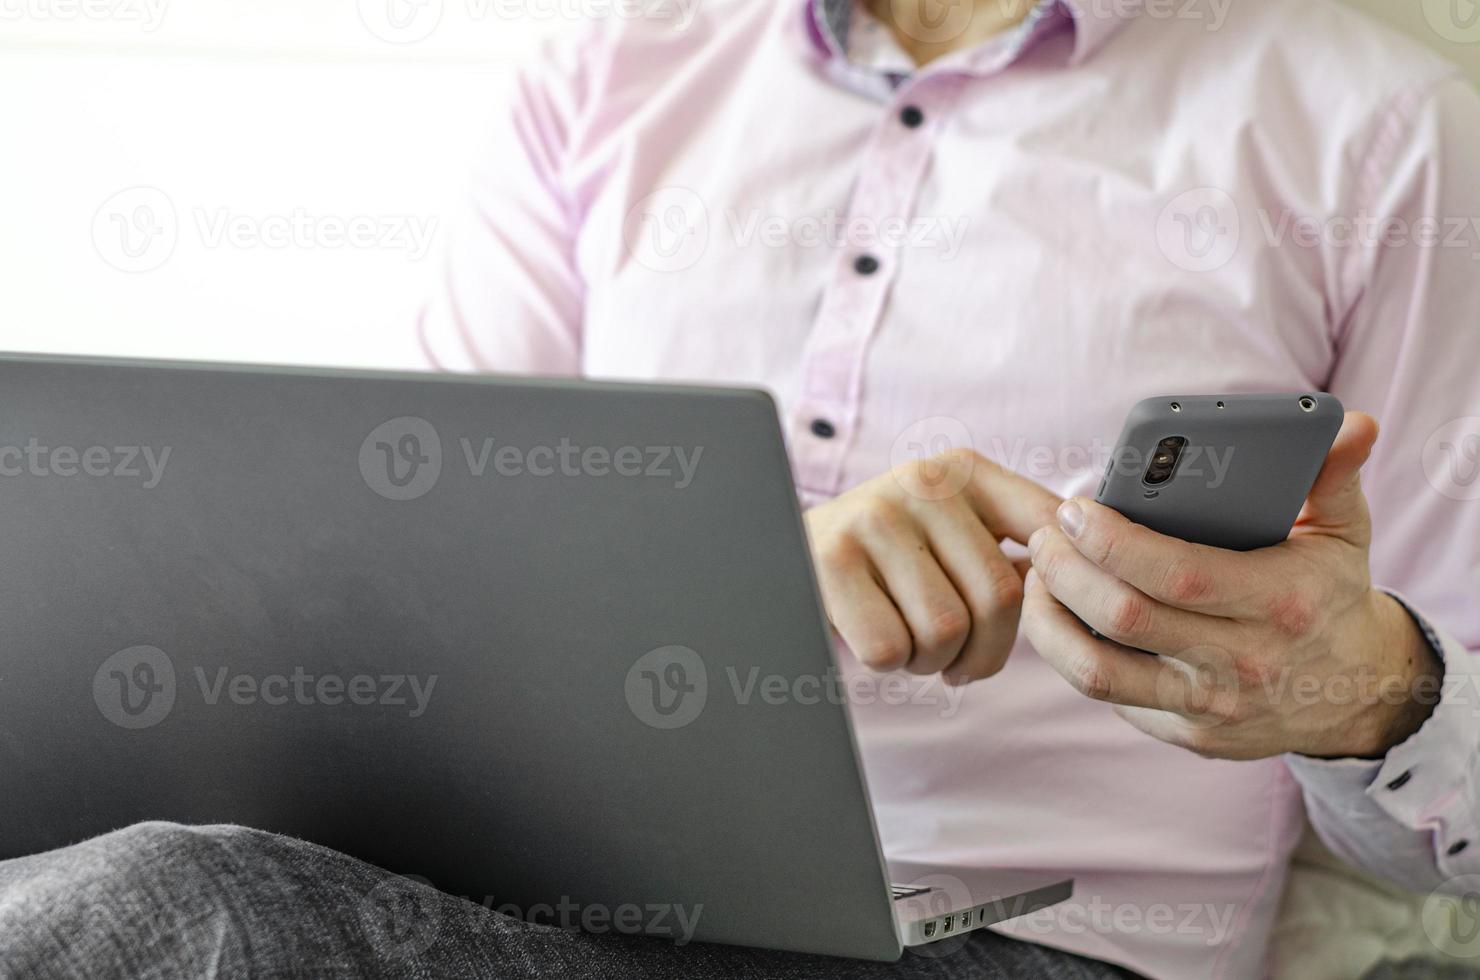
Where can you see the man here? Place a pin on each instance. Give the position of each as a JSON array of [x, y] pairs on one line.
[[959, 242]]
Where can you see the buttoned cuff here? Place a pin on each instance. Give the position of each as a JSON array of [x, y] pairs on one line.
[[1425, 783]]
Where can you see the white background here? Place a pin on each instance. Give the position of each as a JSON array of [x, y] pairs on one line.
[[257, 110], [254, 110]]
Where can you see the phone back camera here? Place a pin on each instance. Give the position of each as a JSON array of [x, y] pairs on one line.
[[1164, 459]]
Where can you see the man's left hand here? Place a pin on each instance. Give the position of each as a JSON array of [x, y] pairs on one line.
[[1237, 655]]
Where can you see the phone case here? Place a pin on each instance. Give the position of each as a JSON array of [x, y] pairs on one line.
[[1240, 481]]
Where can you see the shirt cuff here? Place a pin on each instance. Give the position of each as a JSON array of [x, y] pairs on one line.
[[1423, 783]]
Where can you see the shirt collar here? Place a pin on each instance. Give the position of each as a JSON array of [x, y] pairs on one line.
[[1094, 22]]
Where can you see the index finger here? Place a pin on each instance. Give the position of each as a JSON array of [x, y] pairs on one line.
[[1009, 504], [1176, 572]]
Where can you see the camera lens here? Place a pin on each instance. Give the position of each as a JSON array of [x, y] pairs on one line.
[[1164, 461]]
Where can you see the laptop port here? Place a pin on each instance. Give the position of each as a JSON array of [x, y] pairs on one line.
[[981, 917], [929, 930], [950, 923], [966, 920]]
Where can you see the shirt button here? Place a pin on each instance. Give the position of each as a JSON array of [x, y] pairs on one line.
[[823, 429], [1456, 847], [911, 116], [865, 265], [1401, 781]]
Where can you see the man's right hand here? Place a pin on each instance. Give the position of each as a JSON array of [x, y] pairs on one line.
[[911, 570]]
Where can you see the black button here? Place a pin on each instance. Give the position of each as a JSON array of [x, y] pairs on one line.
[[1456, 847], [823, 429], [865, 265], [911, 116], [1401, 781]]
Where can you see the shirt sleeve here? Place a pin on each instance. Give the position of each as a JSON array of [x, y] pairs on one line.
[[509, 294], [1408, 352]]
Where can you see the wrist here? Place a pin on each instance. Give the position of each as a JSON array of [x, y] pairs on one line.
[[1410, 674]]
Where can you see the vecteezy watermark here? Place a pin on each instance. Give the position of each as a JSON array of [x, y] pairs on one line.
[[669, 688], [37, 460], [135, 688], [407, 916], [1454, 20], [934, 459], [1451, 917], [1202, 229], [148, 14], [139, 229], [136, 230], [402, 459], [1199, 230], [138, 688], [670, 230], [1210, 922], [1451, 459], [1366, 230], [411, 21]]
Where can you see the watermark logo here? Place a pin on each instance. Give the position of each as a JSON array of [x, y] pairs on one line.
[[142, 463], [1454, 20], [135, 688], [667, 231], [1451, 459], [402, 458], [139, 229], [667, 688], [1199, 230], [922, 460], [932, 21], [149, 14], [136, 230], [1451, 917], [943, 905], [401, 21], [402, 915], [1201, 685]]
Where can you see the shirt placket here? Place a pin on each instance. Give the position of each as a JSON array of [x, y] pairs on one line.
[[825, 423]]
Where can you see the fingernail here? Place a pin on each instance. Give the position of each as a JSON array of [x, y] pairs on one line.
[[1035, 541], [1071, 518]]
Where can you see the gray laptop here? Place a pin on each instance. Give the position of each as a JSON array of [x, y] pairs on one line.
[[542, 644]]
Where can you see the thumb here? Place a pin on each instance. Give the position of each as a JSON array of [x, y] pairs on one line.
[[1336, 505]]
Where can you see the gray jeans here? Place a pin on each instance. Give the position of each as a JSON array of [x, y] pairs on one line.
[[161, 900]]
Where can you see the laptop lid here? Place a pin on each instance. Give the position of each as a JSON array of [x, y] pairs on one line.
[[533, 641]]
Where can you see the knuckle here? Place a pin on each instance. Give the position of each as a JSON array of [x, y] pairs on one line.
[[881, 518], [1187, 583], [835, 551], [1002, 592], [1128, 616], [1090, 678], [1100, 546], [945, 628], [1293, 614], [882, 652], [990, 666], [1049, 561]]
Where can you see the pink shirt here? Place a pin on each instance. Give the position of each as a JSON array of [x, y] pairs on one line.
[[1011, 247]]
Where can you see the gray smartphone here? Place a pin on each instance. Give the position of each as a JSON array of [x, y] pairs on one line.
[[1231, 471]]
